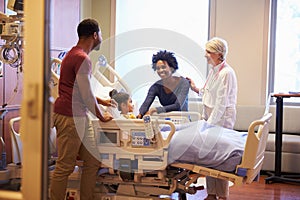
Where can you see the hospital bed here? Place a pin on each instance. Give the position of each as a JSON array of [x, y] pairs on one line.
[[135, 166]]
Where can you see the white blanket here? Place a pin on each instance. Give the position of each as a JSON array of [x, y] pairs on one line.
[[206, 145]]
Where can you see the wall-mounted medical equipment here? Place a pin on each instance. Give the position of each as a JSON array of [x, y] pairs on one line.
[[11, 31]]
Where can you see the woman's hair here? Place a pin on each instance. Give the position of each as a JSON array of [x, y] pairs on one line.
[[165, 56], [119, 97], [217, 45]]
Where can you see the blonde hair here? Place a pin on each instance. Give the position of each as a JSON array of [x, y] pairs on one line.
[[217, 45]]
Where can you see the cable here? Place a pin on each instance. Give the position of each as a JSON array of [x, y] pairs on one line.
[[14, 93], [10, 55]]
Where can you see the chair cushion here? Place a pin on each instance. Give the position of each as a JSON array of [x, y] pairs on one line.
[[290, 143]]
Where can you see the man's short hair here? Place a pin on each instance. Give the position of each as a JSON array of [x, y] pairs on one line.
[[87, 27]]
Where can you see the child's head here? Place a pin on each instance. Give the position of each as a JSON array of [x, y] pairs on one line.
[[124, 101]]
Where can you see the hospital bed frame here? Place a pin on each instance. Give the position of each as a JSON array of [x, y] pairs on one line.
[[134, 170]]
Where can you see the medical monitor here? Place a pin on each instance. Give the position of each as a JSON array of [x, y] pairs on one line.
[[107, 137]]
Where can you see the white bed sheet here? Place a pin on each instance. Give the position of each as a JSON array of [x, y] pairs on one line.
[[206, 145]]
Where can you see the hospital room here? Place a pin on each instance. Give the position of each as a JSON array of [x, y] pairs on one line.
[[175, 100]]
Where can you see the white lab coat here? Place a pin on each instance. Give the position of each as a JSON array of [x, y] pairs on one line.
[[220, 96]]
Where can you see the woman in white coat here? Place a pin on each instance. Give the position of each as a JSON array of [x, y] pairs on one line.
[[219, 95]]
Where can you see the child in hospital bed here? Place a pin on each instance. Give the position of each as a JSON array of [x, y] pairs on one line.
[[125, 105]]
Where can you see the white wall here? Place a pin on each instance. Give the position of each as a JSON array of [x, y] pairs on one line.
[[244, 24]]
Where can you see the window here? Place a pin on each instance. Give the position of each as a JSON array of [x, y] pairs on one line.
[[144, 27], [285, 47]]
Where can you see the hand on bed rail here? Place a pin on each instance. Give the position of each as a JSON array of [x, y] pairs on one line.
[[152, 111]]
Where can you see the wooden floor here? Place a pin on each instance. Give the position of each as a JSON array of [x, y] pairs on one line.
[[254, 191], [258, 191]]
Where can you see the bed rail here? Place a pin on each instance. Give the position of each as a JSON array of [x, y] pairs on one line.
[[178, 117], [99, 72], [125, 139], [255, 146], [16, 141], [53, 84]]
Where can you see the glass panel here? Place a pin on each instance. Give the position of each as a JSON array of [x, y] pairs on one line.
[[11, 78], [287, 52], [144, 27]]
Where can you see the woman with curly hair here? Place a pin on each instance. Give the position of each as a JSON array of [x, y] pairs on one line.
[[172, 91]]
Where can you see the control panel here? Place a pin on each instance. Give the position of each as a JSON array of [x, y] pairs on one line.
[[138, 139]]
